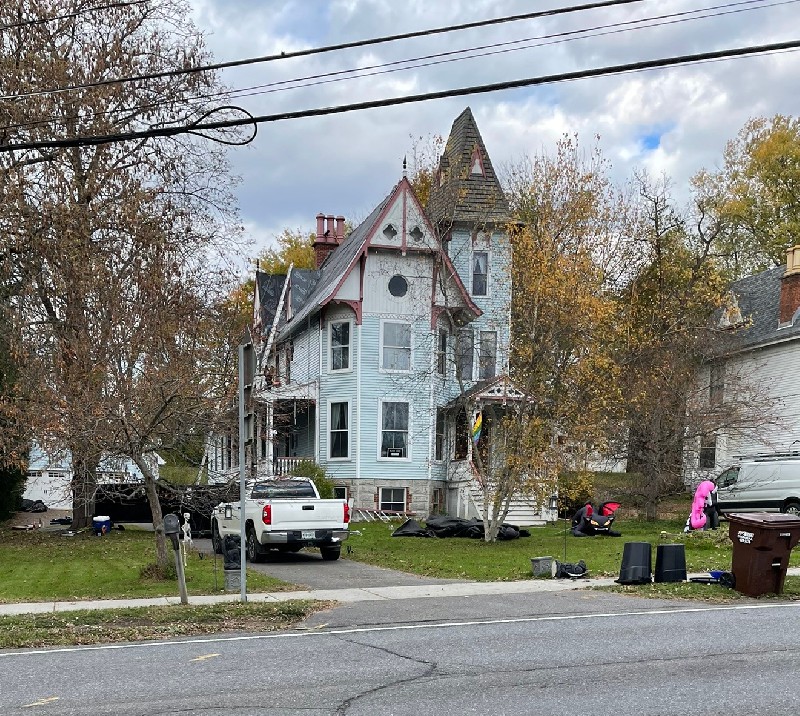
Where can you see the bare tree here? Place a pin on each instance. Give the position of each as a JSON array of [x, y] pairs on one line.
[[87, 225]]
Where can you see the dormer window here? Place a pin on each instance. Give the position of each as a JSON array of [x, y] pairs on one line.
[[476, 163], [390, 232]]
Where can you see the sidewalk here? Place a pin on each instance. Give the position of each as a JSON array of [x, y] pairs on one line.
[[355, 594]]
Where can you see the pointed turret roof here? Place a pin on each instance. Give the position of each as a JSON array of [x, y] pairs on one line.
[[465, 188]]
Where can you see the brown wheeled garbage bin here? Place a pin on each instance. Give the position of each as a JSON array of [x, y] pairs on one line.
[[762, 542]]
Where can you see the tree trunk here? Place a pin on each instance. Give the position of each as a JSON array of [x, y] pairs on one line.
[[162, 554], [84, 485]]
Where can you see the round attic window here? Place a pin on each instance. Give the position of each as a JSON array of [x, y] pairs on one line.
[[398, 286]]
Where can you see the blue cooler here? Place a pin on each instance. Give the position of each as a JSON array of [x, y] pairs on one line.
[[101, 524]]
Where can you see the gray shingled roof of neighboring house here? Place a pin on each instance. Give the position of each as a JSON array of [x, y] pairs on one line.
[[759, 302], [269, 294], [466, 197], [331, 272]]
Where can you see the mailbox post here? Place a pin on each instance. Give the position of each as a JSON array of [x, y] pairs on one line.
[[172, 526]]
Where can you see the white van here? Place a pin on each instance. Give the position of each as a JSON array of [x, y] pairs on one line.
[[769, 485]]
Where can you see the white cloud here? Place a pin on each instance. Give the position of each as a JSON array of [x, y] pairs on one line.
[[347, 163]]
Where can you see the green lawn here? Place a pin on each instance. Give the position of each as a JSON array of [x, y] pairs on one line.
[[461, 558], [45, 566]]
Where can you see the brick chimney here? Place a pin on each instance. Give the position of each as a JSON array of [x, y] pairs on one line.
[[330, 233], [790, 286]]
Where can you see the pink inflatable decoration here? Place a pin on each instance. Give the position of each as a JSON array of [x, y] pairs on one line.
[[702, 499]]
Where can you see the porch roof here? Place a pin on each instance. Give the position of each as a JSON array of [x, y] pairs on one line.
[[497, 389]]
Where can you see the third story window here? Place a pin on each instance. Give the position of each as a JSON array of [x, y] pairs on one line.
[[480, 273]]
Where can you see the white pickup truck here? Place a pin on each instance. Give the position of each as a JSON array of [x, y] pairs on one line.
[[284, 514]]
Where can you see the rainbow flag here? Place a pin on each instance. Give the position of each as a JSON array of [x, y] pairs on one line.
[[476, 428]]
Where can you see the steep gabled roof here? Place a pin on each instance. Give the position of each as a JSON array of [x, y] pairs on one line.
[[465, 188], [758, 297], [336, 267]]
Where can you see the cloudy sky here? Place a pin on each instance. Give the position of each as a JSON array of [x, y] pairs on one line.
[[672, 121]]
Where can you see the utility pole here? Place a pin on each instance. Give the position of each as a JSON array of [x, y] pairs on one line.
[[247, 370]]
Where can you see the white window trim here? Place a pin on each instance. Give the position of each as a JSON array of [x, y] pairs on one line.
[[380, 458], [349, 457], [390, 487], [488, 273], [331, 369], [381, 346]]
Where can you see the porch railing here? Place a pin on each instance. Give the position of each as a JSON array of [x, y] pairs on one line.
[[285, 465]]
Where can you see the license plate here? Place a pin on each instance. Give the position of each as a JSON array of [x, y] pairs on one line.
[[308, 534]]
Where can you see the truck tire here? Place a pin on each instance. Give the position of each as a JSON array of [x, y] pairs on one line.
[[216, 538], [254, 554], [329, 554]]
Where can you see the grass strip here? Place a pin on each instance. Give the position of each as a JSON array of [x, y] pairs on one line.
[[132, 624]]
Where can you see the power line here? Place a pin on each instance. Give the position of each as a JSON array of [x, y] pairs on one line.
[[197, 128], [67, 16], [444, 57], [337, 47]]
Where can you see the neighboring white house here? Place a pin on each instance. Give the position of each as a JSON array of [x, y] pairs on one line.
[[363, 361], [765, 351], [49, 476]]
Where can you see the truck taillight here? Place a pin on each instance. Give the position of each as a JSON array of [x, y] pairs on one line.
[[266, 515], [346, 513]]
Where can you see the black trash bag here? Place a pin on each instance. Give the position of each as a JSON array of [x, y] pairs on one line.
[[231, 552], [567, 570], [412, 528]]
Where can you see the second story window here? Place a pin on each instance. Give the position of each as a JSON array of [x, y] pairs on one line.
[[464, 353], [441, 352], [340, 345], [487, 357], [396, 346], [480, 273]]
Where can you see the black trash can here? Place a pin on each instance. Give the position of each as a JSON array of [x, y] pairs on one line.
[[670, 563], [636, 564], [232, 563], [762, 543]]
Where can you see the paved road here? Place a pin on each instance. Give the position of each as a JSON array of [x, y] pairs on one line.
[[542, 653]]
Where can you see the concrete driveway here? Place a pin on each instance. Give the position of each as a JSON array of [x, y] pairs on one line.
[[307, 569]]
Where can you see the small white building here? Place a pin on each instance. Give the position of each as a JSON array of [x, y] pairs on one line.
[[49, 476]]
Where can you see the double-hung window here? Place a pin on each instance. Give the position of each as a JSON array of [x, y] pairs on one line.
[[396, 348], [439, 446], [480, 273], [340, 345], [487, 356], [394, 429], [465, 349], [339, 442], [441, 352]]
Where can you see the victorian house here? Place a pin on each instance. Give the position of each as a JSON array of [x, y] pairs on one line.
[[366, 362]]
